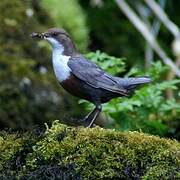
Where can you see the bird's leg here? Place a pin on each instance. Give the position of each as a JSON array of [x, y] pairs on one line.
[[91, 117]]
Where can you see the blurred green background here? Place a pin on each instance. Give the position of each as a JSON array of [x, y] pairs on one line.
[[29, 92]]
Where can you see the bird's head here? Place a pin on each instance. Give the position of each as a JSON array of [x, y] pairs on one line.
[[58, 38]]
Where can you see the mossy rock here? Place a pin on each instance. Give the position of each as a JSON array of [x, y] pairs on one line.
[[64, 152]]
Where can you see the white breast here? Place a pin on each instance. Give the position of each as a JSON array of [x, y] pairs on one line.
[[61, 69]]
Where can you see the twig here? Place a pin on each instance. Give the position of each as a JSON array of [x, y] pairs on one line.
[[163, 17], [154, 28], [143, 29], [144, 14], [174, 30]]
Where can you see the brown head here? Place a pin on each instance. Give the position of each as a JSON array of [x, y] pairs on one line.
[[58, 38]]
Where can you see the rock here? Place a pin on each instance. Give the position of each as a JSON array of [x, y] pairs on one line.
[[82, 153]]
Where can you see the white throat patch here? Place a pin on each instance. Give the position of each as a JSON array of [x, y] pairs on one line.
[[61, 69]]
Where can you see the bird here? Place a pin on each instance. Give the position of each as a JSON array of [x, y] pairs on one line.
[[83, 78]]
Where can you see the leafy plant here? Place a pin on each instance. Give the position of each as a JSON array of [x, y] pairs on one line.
[[148, 110], [111, 64]]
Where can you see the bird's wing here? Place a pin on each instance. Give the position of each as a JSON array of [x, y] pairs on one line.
[[93, 75]]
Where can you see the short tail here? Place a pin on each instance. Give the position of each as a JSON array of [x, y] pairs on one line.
[[132, 83]]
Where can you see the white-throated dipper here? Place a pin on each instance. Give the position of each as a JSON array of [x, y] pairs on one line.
[[81, 77]]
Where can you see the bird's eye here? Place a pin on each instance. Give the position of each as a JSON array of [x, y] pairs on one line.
[[54, 34]]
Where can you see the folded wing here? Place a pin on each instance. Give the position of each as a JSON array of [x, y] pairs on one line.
[[94, 76]]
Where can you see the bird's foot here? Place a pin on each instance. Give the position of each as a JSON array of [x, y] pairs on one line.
[[84, 121], [87, 122]]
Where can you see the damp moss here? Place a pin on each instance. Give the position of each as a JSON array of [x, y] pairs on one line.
[[97, 153], [9, 145]]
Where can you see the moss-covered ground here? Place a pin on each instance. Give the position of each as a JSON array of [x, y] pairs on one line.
[[63, 152]]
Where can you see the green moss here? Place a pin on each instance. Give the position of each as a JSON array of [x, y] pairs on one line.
[[27, 81], [91, 154], [69, 15], [9, 146]]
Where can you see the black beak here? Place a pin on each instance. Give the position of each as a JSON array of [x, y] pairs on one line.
[[45, 35], [35, 35]]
